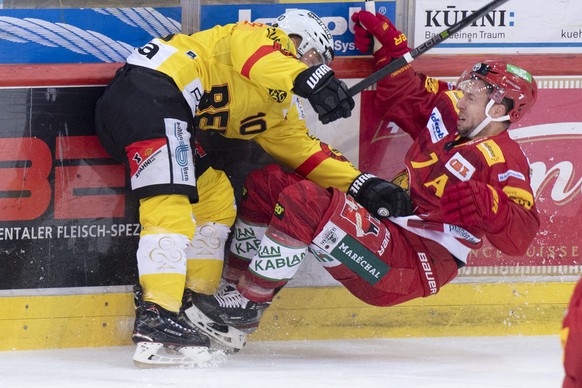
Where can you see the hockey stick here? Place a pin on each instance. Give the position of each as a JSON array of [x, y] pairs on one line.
[[399, 63]]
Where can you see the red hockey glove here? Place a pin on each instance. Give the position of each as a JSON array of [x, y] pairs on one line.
[[475, 204], [368, 26]]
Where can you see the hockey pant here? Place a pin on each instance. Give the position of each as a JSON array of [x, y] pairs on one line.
[[378, 262], [572, 340], [143, 121], [182, 244]]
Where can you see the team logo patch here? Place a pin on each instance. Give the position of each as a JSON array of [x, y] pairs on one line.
[[278, 95], [431, 85], [460, 167], [436, 126], [279, 211], [361, 218], [332, 153]]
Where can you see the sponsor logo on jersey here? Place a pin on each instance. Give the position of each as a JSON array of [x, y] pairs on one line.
[[191, 54], [146, 163], [272, 258], [428, 273], [436, 127], [461, 233], [300, 110], [182, 148], [359, 259], [460, 167], [245, 242], [179, 141], [519, 196], [153, 54], [510, 173], [137, 158], [492, 152]]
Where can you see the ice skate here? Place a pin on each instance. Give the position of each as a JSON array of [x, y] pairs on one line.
[[164, 339], [227, 316]]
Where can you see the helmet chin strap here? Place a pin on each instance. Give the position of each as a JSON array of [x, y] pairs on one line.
[[486, 121]]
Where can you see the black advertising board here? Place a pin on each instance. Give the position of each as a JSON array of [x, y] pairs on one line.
[[66, 217]]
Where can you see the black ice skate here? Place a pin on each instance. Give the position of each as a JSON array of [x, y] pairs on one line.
[[227, 316], [164, 338]]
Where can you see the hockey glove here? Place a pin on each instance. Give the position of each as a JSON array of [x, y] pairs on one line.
[[368, 26], [475, 204], [327, 94], [380, 197]]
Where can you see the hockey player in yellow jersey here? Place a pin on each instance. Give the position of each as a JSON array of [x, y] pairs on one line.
[[242, 80]]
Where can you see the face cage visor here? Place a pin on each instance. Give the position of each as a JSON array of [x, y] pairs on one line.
[[306, 48], [468, 83], [312, 58]]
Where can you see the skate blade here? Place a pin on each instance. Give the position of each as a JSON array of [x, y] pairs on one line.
[[156, 355], [229, 340]]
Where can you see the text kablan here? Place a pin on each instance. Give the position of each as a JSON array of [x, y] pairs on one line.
[[451, 15]]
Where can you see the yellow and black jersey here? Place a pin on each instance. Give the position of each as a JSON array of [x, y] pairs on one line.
[[238, 80]]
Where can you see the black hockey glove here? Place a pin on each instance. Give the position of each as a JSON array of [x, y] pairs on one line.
[[327, 94], [380, 197]]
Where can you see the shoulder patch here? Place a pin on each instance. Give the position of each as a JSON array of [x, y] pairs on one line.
[[431, 85], [454, 96], [436, 127], [491, 152]]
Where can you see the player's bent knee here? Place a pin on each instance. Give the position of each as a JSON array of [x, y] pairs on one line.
[[170, 213]]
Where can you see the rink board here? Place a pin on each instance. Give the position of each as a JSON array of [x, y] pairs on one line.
[[63, 317], [46, 322]]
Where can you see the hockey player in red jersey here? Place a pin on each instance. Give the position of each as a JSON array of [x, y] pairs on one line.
[[572, 340], [467, 180]]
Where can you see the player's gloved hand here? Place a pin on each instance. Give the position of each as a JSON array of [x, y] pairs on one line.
[[380, 197], [475, 204], [368, 26], [327, 94]]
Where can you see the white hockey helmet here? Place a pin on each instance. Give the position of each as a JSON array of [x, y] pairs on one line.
[[312, 30]]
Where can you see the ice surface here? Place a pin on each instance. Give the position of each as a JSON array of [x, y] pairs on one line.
[[467, 362]]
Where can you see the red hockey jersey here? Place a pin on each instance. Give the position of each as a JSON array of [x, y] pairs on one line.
[[426, 109]]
